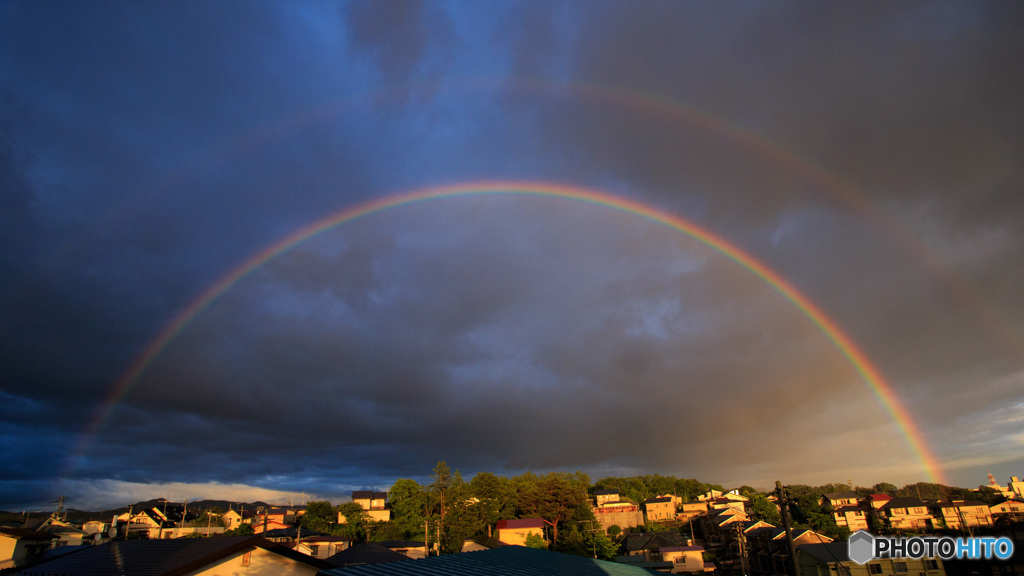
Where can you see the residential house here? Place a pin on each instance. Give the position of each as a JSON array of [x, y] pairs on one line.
[[660, 509], [369, 553], [877, 501], [688, 511], [846, 510], [1016, 488], [734, 501], [22, 543], [830, 559], [685, 559], [906, 514], [769, 549], [235, 518], [605, 496], [612, 510], [1010, 510], [193, 556], [648, 544], [710, 495], [516, 531], [374, 503], [838, 499], [67, 535], [957, 514], [412, 548], [322, 546]]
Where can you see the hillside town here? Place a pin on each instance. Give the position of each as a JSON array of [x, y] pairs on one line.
[[636, 525]]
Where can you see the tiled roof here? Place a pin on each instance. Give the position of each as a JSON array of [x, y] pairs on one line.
[[159, 557], [879, 497], [504, 561], [658, 500], [522, 523]]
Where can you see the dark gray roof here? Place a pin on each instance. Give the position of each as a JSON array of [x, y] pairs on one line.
[[371, 553], [904, 502], [20, 533], [840, 495], [159, 557], [358, 494], [658, 500], [830, 552], [652, 540], [401, 544], [504, 561]]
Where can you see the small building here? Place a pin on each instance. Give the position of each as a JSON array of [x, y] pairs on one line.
[[22, 543], [515, 532]]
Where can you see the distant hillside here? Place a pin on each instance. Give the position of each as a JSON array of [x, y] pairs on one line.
[[75, 515]]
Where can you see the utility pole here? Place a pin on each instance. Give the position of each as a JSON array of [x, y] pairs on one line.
[[783, 496], [741, 539]]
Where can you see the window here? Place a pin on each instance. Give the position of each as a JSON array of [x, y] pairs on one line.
[[875, 568], [900, 566], [245, 558], [931, 564], [313, 549]]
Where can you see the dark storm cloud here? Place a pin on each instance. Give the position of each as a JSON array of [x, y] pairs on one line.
[[145, 153]]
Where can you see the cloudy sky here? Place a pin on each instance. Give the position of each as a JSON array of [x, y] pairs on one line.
[[873, 157]]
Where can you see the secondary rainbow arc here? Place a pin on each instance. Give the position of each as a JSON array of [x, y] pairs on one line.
[[868, 372]]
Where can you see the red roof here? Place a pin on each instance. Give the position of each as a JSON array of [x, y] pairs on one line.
[[877, 497], [519, 524]]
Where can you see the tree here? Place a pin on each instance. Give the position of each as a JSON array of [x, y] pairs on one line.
[[409, 502], [558, 498], [356, 520], [885, 488], [765, 509], [241, 530], [534, 540], [320, 516]]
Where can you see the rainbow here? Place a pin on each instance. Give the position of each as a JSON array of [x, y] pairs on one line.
[[871, 376]]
